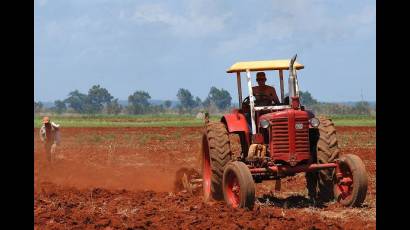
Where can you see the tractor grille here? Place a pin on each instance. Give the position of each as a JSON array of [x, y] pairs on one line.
[[302, 137], [280, 136]]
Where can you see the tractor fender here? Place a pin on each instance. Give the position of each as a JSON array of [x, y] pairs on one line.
[[235, 122]]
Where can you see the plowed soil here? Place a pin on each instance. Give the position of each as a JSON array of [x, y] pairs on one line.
[[123, 178]]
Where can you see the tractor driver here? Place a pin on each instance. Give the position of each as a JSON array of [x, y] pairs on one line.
[[264, 94]]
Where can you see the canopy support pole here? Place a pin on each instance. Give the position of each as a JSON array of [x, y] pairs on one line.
[[282, 87], [251, 101], [238, 80]]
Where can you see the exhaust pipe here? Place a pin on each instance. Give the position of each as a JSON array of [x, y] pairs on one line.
[[292, 81], [293, 86]]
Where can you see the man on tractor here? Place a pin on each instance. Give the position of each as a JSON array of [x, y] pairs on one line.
[[264, 94]]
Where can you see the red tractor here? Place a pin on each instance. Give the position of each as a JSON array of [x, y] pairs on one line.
[[281, 140]]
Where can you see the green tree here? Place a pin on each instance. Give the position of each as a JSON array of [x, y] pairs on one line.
[[138, 102], [307, 99], [220, 97], [96, 99], [60, 106], [198, 102], [206, 102], [113, 107], [38, 107], [167, 104], [186, 99], [77, 101]]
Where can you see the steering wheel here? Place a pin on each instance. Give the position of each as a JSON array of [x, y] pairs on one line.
[[260, 100], [246, 105], [263, 100], [246, 101]]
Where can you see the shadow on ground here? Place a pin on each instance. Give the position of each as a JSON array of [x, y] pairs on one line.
[[295, 201]]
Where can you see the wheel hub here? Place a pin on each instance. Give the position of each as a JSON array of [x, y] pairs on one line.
[[233, 190], [345, 183]]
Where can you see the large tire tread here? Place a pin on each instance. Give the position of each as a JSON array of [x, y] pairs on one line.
[[220, 154], [320, 184]]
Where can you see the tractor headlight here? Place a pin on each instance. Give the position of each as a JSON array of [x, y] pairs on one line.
[[314, 122], [264, 124]]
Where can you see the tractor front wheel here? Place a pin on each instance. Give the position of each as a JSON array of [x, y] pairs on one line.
[[325, 149], [351, 187], [238, 186]]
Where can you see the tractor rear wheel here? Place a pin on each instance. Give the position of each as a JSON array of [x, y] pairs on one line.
[[351, 188], [238, 186], [320, 184], [216, 153]]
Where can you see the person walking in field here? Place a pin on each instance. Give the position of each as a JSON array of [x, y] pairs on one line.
[[50, 136]]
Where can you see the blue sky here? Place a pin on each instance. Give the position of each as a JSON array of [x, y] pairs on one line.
[[161, 46]]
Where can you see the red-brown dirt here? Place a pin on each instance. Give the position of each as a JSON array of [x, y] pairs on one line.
[[123, 178]]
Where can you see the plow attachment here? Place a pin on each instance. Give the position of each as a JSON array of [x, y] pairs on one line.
[[188, 180]]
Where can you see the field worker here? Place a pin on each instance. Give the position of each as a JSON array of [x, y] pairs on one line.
[[50, 136], [264, 94]]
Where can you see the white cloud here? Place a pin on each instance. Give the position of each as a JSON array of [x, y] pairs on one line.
[[364, 22], [54, 30], [304, 21], [41, 2], [194, 23], [154, 13]]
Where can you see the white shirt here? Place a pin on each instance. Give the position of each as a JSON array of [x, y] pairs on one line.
[[55, 129]]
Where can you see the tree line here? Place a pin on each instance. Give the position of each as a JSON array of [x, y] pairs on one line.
[[99, 101], [359, 108]]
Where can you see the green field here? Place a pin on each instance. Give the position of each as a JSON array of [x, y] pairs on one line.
[[354, 120], [168, 120], [163, 120]]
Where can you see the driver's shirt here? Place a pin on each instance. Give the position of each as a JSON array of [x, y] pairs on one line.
[[266, 90]]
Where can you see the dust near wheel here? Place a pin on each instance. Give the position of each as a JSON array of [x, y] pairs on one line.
[[216, 153], [238, 186], [325, 149]]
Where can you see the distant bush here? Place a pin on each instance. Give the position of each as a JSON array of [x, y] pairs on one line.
[[38, 107], [360, 108]]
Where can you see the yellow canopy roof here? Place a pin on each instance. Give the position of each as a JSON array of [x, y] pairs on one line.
[[262, 65]]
